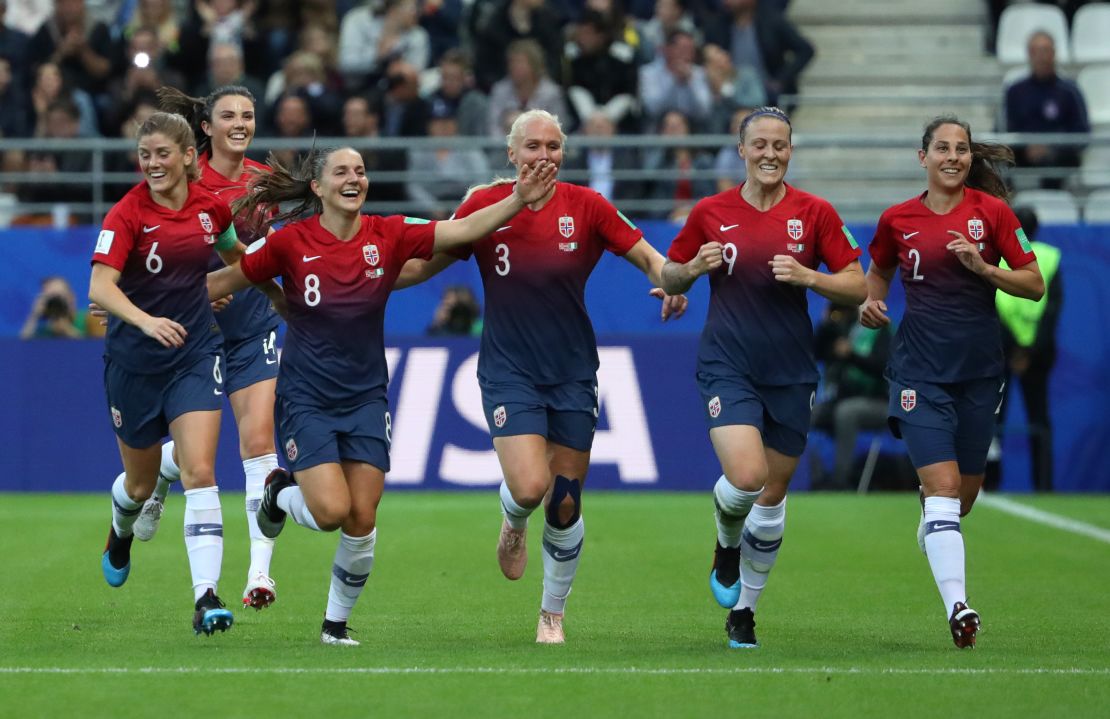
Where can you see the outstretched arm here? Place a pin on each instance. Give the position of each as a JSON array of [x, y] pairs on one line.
[[417, 270], [532, 185]]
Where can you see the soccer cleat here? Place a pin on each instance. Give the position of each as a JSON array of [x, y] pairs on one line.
[[271, 517], [740, 626], [260, 592], [724, 576], [119, 549], [512, 551], [964, 624], [550, 629], [337, 634], [210, 615], [147, 523]]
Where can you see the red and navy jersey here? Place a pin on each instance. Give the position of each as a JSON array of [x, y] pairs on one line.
[[163, 257], [336, 291], [758, 327], [950, 331], [534, 271], [250, 312]]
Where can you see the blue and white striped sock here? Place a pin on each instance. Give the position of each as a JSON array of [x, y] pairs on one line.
[[204, 538], [354, 559]]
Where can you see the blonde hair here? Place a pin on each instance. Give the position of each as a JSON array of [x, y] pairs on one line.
[[513, 141], [177, 129]]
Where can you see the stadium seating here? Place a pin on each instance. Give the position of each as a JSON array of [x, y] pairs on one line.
[[1094, 82], [1053, 207], [1019, 21], [1097, 209], [1090, 30], [1095, 169]]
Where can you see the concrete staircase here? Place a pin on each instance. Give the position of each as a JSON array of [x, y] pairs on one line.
[[883, 69]]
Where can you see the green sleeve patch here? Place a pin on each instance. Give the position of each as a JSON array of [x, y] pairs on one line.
[[851, 240], [1023, 240], [416, 221], [626, 220], [228, 239]]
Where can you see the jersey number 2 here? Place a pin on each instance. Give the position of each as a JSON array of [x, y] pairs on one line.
[[915, 255]]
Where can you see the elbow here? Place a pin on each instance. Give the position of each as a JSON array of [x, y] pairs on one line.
[[1037, 292]]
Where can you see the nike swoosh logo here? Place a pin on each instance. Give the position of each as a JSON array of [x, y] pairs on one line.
[[270, 361], [726, 228], [502, 229], [217, 392], [150, 229], [908, 236], [306, 258], [562, 555]]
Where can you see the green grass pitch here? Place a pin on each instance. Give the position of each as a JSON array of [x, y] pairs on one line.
[[851, 623]]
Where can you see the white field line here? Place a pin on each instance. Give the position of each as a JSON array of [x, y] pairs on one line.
[[840, 671], [1046, 518]]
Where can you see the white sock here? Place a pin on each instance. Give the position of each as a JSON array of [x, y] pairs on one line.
[[256, 470], [759, 549], [124, 509], [561, 550], [168, 472], [291, 499], [731, 508], [515, 515], [944, 547], [354, 558], [204, 538]]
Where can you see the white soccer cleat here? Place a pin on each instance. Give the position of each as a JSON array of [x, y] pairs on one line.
[[512, 551], [550, 629], [260, 592], [337, 636], [149, 518]]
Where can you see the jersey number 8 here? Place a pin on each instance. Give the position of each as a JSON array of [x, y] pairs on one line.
[[312, 290]]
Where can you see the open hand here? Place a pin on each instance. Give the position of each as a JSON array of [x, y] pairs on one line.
[[167, 332], [533, 182], [673, 305]]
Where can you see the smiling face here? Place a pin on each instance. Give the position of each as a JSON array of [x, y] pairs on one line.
[[342, 183], [765, 149], [947, 159], [164, 163], [232, 125]]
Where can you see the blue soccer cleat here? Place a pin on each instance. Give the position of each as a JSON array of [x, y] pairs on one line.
[[119, 550], [740, 626], [210, 615], [724, 577]]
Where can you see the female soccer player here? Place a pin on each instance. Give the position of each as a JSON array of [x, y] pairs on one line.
[[338, 268], [761, 245], [225, 122], [164, 363], [537, 367], [945, 370]]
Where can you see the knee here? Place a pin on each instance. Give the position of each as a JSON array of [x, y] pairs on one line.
[[251, 447], [749, 479], [565, 506], [199, 475], [529, 494], [331, 514], [966, 503]]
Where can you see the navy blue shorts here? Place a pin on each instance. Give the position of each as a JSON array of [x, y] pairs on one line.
[[251, 361], [950, 422], [311, 435], [562, 413], [143, 405], [781, 413]]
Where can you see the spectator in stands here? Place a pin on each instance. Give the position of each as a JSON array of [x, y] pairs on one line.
[[13, 103], [758, 35], [448, 171], [54, 313], [13, 47], [221, 21], [49, 86], [304, 74], [458, 314], [495, 25], [525, 87], [1045, 102], [441, 19], [134, 115], [730, 167], [370, 39], [669, 16], [317, 39], [1029, 343], [141, 67], [362, 119], [292, 119], [690, 171], [601, 73], [623, 27], [80, 48], [675, 81], [225, 68], [61, 121], [600, 163], [404, 112], [854, 395], [456, 88], [158, 15], [731, 88]]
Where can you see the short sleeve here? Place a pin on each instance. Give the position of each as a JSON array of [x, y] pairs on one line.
[[689, 239], [1010, 238], [882, 250], [262, 260], [415, 237], [616, 231], [117, 236], [835, 243]]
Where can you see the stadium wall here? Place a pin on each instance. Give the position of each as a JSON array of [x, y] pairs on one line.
[[57, 437]]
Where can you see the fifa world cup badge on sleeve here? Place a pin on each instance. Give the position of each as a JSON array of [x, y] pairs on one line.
[[715, 407], [500, 416], [909, 399]]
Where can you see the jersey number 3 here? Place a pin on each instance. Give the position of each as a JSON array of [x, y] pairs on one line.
[[503, 265]]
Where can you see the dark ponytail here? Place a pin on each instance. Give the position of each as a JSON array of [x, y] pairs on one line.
[[284, 184], [986, 157]]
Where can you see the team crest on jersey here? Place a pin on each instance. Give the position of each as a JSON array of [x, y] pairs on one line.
[[291, 449], [909, 399], [975, 229], [715, 407], [371, 255], [205, 222], [117, 418], [794, 229], [568, 246], [500, 416], [566, 226]]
